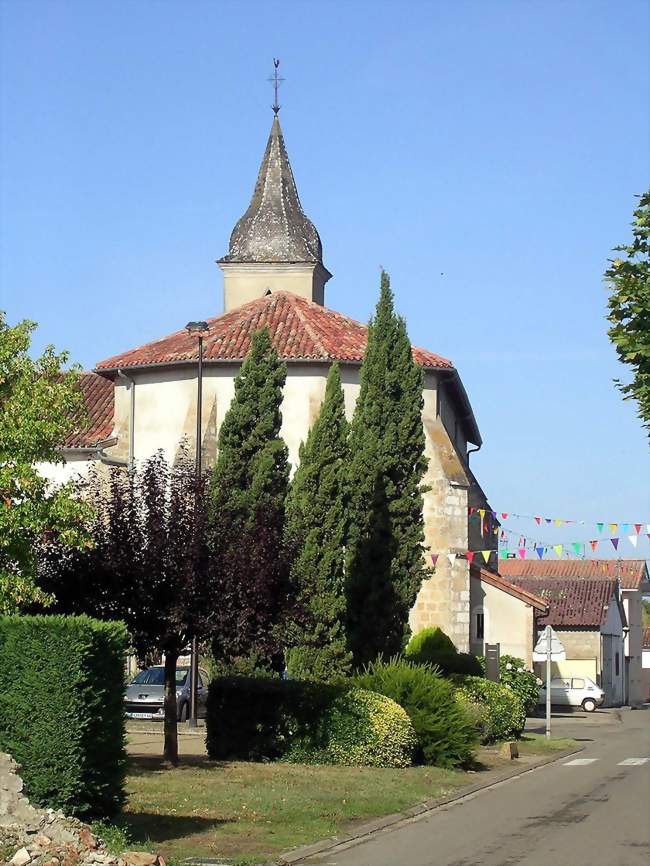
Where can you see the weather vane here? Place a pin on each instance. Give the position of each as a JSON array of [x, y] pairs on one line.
[[276, 81]]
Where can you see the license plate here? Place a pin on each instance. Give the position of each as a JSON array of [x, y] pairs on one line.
[[140, 715]]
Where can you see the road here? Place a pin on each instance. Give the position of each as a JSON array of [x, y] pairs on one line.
[[589, 809]]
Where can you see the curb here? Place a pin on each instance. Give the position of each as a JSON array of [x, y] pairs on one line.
[[369, 828]]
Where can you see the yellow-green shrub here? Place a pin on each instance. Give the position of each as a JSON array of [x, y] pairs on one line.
[[361, 729]]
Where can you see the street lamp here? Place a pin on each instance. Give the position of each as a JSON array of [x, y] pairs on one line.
[[198, 329]]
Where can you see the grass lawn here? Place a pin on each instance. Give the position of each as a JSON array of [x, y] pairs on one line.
[[251, 812], [208, 809]]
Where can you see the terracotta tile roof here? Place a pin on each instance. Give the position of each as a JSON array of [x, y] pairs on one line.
[[98, 394], [572, 602], [300, 330], [506, 586], [646, 638], [632, 572]]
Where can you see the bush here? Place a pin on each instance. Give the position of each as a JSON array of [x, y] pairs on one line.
[[253, 719], [500, 714], [514, 675], [427, 643], [362, 729], [62, 709], [432, 646], [446, 733]]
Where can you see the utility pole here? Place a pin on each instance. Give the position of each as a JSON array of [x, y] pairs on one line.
[[198, 328], [549, 655]]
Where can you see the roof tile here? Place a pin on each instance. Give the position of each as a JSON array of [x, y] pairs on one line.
[[299, 329], [98, 394], [632, 572], [572, 602]]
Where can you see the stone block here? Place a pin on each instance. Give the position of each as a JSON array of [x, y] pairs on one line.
[[509, 750]]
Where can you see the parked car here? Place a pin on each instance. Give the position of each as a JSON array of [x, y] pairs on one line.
[[574, 692], [144, 697]]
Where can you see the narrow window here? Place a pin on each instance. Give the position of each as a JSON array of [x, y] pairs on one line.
[[617, 664], [480, 626]]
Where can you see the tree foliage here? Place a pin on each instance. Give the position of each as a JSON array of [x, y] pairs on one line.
[[248, 491], [385, 556], [628, 277], [149, 564], [316, 533], [39, 406]]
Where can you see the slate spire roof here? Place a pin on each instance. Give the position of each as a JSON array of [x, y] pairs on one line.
[[275, 228]]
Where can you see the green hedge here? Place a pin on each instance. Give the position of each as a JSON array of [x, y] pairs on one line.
[[499, 714], [360, 728], [250, 718], [446, 732], [62, 709], [431, 646]]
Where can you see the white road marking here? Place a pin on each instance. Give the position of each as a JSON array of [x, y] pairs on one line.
[[580, 762], [633, 762]]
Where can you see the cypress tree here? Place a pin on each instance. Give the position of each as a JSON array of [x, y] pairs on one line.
[[385, 557], [249, 487], [316, 532]]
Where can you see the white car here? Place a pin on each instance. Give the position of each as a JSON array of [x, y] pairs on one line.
[[574, 692]]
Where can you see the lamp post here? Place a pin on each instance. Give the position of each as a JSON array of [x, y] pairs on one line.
[[198, 328]]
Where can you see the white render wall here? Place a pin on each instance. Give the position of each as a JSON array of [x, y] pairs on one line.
[[165, 412]]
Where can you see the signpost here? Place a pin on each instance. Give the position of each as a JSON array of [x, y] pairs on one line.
[[549, 648], [492, 656]]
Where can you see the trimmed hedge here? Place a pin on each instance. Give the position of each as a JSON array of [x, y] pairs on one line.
[[62, 709], [446, 732], [250, 718], [433, 647], [360, 728], [499, 713], [513, 674]]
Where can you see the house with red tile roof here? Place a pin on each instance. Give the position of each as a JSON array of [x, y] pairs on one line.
[[144, 398], [589, 618], [503, 612], [632, 577]]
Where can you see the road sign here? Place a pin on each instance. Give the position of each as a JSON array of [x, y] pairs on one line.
[[540, 653]]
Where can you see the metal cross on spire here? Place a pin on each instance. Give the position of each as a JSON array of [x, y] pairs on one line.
[[276, 81]]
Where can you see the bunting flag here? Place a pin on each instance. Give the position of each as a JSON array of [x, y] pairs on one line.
[[558, 549], [615, 543], [452, 558], [540, 551], [594, 545], [559, 521], [434, 559], [522, 553], [632, 539], [486, 555], [470, 555], [577, 547]]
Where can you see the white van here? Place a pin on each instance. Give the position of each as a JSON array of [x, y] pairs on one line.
[[574, 692]]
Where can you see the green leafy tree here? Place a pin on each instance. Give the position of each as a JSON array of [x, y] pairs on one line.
[[249, 488], [316, 533], [39, 406], [385, 557], [629, 308]]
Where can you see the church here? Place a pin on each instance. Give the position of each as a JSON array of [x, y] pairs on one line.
[[145, 399]]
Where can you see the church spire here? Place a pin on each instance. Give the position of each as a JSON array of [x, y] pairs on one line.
[[275, 227]]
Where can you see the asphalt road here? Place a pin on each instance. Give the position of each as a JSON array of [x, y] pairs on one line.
[[589, 809]]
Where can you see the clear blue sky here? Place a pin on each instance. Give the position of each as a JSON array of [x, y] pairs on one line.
[[486, 153]]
